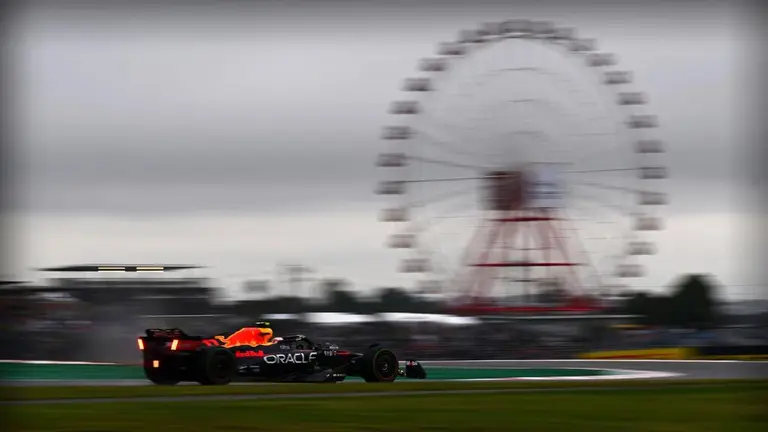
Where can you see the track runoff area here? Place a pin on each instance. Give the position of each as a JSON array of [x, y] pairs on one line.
[[49, 373], [598, 395]]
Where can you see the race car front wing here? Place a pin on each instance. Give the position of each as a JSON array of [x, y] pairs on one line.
[[413, 369]]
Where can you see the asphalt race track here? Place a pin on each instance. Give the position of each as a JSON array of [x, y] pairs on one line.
[[683, 369]]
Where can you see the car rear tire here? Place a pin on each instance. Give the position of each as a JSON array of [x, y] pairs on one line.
[[161, 376], [379, 365], [217, 367]]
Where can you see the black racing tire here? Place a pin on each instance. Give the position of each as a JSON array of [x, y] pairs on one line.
[[161, 376], [379, 365], [216, 367]]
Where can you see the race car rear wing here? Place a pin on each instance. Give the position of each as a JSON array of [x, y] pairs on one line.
[[170, 333], [173, 339]]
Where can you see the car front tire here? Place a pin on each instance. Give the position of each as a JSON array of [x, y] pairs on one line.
[[379, 365]]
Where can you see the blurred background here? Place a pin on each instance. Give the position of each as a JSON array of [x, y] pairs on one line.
[[382, 172]]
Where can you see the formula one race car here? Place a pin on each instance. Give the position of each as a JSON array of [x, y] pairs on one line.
[[252, 354]]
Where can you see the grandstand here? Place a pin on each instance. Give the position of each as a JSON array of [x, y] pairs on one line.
[[96, 316], [137, 294]]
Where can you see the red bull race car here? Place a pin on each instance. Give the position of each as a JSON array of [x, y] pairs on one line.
[[252, 353]]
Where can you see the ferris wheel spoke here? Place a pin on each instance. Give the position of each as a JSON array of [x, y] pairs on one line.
[[442, 143], [546, 104], [439, 253], [499, 134], [597, 232], [600, 170], [442, 180], [486, 113], [616, 239], [508, 137], [482, 115], [431, 121], [495, 136], [435, 258], [462, 266], [601, 218], [556, 236], [477, 168], [471, 133], [596, 150], [421, 219], [606, 97], [608, 187], [445, 216], [582, 250], [594, 234], [622, 211], [428, 225], [588, 200], [479, 135], [565, 84], [440, 227], [592, 134], [448, 251], [443, 197]]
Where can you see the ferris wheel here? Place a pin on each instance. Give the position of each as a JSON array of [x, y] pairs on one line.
[[521, 170]]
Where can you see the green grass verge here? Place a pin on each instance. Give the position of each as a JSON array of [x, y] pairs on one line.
[[724, 408], [69, 392]]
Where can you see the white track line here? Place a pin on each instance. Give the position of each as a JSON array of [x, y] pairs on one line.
[[620, 374]]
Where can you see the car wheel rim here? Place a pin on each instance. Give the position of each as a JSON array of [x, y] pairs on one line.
[[221, 368], [384, 368]]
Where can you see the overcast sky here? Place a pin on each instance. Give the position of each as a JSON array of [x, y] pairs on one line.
[[241, 136]]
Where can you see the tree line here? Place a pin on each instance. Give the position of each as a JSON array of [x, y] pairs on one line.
[[691, 302]]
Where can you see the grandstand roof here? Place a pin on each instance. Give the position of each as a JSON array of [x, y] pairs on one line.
[[119, 268], [4, 283]]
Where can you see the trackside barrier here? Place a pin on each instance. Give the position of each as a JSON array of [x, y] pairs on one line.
[[736, 352], [655, 354], [743, 352]]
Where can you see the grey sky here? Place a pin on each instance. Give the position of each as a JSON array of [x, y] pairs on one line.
[[272, 111]]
